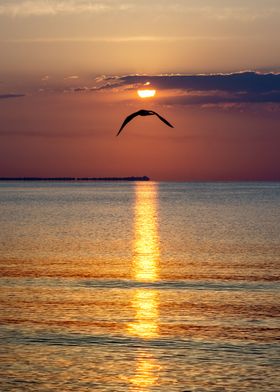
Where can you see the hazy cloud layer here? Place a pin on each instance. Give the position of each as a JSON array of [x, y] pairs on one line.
[[53, 7], [243, 87], [246, 10]]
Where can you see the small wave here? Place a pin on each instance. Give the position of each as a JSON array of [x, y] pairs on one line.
[[110, 341], [176, 285], [133, 284]]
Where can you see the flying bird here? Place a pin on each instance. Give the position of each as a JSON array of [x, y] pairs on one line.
[[142, 112]]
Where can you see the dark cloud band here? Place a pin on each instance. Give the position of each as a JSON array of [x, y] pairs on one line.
[[241, 87]]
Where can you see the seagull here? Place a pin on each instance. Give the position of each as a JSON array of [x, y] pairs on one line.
[[142, 112]]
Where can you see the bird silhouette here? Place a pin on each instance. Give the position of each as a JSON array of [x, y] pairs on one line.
[[142, 112]]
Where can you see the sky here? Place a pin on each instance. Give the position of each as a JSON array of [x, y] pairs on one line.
[[70, 71]]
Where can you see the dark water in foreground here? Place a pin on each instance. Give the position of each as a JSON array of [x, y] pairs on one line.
[[139, 286]]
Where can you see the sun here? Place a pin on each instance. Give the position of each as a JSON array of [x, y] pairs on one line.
[[147, 93]]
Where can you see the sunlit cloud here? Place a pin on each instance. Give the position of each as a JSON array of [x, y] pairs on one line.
[[216, 9], [53, 7], [116, 39], [45, 78], [71, 77]]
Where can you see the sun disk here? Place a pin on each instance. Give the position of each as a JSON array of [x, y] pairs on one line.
[[146, 93]]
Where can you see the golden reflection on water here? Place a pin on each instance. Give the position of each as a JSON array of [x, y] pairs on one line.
[[146, 241], [145, 303], [145, 269], [145, 263], [146, 372]]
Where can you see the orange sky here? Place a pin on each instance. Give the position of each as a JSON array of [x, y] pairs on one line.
[[58, 117]]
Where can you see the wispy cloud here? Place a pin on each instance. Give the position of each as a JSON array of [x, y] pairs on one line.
[[53, 7], [48, 134], [117, 39], [241, 87], [11, 95], [71, 77], [216, 9]]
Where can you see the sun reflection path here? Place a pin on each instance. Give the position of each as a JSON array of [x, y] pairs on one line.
[[146, 374], [145, 301], [145, 263], [146, 242]]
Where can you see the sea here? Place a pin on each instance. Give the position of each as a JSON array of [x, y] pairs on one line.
[[139, 286]]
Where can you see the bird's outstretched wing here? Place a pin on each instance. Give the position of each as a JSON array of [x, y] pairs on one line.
[[163, 119], [126, 121]]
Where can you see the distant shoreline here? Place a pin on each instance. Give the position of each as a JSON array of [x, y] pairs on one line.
[[143, 178]]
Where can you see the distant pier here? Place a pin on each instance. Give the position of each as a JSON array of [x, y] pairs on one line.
[[144, 178]]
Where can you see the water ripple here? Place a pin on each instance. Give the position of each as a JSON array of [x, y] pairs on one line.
[[75, 339], [132, 284]]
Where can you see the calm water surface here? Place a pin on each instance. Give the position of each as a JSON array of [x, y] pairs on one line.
[[139, 286]]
